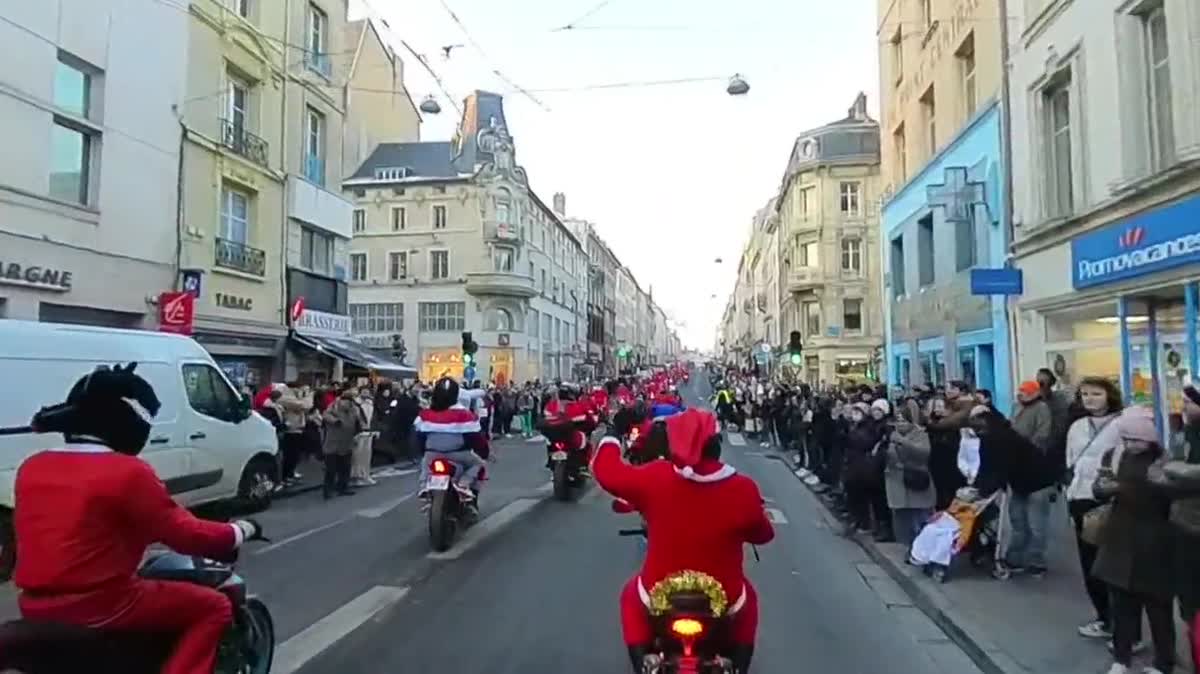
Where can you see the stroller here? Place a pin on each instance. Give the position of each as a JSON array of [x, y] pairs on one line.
[[969, 528]]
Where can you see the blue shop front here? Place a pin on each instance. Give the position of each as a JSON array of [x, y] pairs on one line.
[[938, 227], [1131, 313]]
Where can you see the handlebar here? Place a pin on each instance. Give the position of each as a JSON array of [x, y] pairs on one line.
[[632, 532]]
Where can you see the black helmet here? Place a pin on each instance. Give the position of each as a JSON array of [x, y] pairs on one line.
[[110, 406], [444, 395]]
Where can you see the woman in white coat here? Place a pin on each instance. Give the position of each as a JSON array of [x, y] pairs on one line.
[[360, 462]]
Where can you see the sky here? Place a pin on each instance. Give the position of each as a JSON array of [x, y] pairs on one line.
[[671, 175]]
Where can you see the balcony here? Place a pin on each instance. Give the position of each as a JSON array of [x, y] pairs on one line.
[[314, 170], [500, 283], [502, 232], [235, 137], [319, 63], [240, 257], [802, 279], [318, 207]]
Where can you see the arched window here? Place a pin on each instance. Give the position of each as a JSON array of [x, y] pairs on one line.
[[499, 320], [505, 208]]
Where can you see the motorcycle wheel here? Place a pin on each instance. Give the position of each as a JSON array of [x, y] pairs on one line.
[[562, 486], [441, 525], [257, 634]]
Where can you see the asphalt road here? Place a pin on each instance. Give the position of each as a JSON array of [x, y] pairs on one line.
[[540, 596]]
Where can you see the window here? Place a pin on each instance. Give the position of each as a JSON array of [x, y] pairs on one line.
[[358, 266], [208, 393], [852, 255], [442, 316], [439, 264], [439, 217], [929, 114], [897, 49], [498, 320], [925, 250], [72, 142], [360, 220], [242, 7], [900, 146], [1059, 176], [851, 199], [316, 251], [1158, 78], [543, 282], [852, 320], [966, 69], [238, 103], [966, 248], [397, 266], [235, 215], [533, 322], [392, 173], [927, 13], [399, 218], [812, 318], [378, 317], [897, 260], [808, 254], [318, 28], [314, 147], [502, 258], [504, 208]]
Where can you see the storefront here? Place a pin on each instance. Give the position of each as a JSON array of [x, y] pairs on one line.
[[1132, 317], [42, 281], [322, 350], [441, 362]]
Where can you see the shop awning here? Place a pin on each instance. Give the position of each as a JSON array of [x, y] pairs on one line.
[[356, 354]]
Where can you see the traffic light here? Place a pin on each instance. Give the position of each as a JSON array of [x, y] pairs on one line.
[[469, 347], [399, 352], [795, 348]]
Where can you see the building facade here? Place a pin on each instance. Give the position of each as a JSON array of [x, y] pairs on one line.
[[89, 184], [942, 214], [379, 108], [449, 238], [1107, 173], [830, 266]]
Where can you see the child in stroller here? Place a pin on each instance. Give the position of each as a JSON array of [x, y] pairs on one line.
[[969, 527]]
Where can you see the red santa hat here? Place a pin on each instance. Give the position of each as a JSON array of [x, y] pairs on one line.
[[687, 433]]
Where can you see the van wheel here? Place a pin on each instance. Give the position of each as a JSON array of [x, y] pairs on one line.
[[258, 483], [8, 545]]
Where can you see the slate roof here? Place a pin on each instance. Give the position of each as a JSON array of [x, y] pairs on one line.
[[423, 160]]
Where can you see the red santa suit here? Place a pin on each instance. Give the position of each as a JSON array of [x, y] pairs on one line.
[[85, 517], [699, 514]]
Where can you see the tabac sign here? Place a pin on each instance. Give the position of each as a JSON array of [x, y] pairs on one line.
[[1152, 242]]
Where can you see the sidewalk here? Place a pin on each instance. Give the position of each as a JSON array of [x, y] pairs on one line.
[[1020, 626]]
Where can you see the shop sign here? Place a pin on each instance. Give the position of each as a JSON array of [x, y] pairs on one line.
[[234, 302], [1156, 241], [34, 276], [1001, 281], [176, 312], [321, 324]]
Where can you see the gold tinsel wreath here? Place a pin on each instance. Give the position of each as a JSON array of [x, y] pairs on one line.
[[688, 581]]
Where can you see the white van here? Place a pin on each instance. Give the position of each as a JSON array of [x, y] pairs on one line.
[[206, 444]]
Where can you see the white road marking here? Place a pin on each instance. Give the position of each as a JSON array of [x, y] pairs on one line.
[[308, 644], [546, 488], [736, 439], [300, 536], [486, 528], [536, 438], [383, 508], [392, 471], [776, 516]]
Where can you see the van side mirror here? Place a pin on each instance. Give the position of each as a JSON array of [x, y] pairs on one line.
[[241, 409]]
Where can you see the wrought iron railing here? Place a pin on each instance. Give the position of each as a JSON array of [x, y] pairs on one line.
[[240, 257], [235, 137]]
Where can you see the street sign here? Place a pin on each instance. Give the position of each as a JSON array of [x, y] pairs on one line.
[[1002, 281]]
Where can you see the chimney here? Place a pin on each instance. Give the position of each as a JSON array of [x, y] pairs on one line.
[[859, 109], [560, 204]]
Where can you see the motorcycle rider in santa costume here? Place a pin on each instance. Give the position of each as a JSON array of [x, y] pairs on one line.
[[89, 509], [699, 514]]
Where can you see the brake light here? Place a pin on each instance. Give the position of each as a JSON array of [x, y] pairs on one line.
[[440, 467], [687, 627], [559, 445], [634, 433]]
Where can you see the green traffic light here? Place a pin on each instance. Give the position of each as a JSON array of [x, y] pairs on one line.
[[467, 359], [795, 359]]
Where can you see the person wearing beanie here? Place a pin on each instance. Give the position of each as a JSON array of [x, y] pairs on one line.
[[866, 497], [1135, 543]]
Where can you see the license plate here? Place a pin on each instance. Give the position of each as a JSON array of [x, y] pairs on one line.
[[439, 482], [558, 456]]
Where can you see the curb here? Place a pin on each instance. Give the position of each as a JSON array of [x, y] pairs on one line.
[[979, 650]]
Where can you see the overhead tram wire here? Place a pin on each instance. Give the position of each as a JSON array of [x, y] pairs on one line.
[[491, 62], [574, 24], [451, 98]]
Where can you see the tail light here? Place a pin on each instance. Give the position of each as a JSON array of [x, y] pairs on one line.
[[634, 433], [687, 628], [560, 446], [440, 467]]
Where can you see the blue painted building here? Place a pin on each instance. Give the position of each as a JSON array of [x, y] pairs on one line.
[[941, 224]]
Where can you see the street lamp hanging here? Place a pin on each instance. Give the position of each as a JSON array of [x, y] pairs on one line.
[[430, 105], [737, 86]]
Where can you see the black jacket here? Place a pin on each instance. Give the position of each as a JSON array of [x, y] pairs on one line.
[[1006, 457]]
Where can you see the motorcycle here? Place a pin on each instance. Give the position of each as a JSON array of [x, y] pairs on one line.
[[566, 461], [448, 512], [248, 647]]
